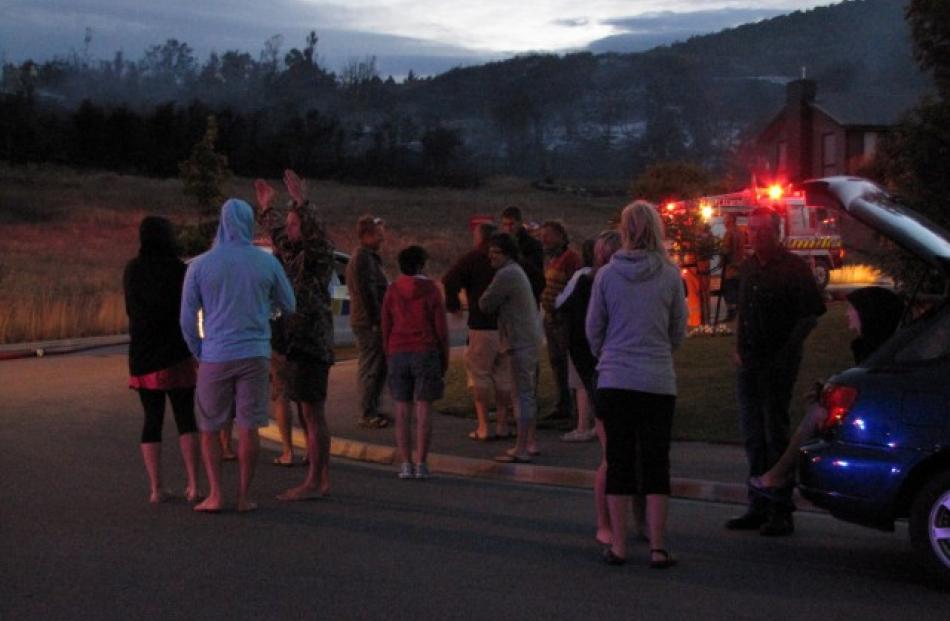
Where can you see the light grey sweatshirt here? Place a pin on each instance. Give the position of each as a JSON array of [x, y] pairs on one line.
[[635, 319], [509, 294]]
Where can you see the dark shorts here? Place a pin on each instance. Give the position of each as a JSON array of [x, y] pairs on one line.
[[416, 376], [638, 426], [306, 379]]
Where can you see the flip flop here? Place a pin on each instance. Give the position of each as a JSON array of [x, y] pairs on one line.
[[531, 452], [473, 435], [505, 458], [665, 562], [286, 464]]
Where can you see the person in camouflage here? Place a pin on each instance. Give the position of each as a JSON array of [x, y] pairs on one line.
[[303, 249]]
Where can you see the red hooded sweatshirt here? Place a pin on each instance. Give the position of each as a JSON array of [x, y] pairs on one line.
[[413, 317]]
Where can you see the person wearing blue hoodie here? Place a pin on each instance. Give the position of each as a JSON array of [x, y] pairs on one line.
[[635, 319], [236, 287]]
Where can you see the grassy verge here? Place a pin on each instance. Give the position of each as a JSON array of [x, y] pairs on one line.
[[706, 404], [65, 236]]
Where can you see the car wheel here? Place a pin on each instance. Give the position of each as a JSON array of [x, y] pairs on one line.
[[930, 525], [822, 273]]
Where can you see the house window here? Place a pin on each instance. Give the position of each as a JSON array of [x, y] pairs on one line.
[[829, 154], [781, 156]]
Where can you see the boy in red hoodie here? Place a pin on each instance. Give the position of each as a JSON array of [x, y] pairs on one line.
[[417, 348]]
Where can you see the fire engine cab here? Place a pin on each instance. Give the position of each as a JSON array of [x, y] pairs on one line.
[[808, 231]]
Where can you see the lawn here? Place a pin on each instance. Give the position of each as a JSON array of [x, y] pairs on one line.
[[706, 403]]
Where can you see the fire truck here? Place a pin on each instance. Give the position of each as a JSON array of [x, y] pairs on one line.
[[808, 231]]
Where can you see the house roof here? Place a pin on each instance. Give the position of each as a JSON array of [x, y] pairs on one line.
[[866, 108]]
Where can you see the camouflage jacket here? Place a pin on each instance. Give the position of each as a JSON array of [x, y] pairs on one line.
[[309, 266]]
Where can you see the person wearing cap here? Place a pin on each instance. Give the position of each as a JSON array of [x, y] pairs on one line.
[[235, 286], [366, 284]]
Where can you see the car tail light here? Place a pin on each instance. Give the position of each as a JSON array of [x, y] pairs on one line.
[[837, 401]]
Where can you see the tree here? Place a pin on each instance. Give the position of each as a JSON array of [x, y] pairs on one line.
[[205, 171], [672, 181], [929, 22], [914, 160]]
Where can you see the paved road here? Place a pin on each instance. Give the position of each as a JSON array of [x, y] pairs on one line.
[[78, 539]]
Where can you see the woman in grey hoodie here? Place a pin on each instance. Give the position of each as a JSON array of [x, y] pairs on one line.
[[636, 318]]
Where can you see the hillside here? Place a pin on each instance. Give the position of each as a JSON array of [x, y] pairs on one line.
[[581, 116]]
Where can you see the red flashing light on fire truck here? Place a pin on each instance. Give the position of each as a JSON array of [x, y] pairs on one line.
[[807, 231]]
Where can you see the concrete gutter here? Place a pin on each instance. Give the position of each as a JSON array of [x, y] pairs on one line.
[[38, 349], [693, 489]]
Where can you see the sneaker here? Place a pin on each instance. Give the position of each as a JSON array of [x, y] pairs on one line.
[[422, 471], [405, 471], [577, 435]]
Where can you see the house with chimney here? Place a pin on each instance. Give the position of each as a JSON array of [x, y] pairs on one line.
[[821, 135]]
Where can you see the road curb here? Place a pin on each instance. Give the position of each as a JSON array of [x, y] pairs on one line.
[[532, 474], [38, 349]]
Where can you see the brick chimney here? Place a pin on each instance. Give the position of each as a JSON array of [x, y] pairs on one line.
[[799, 97]]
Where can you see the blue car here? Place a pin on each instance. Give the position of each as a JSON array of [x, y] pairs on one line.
[[884, 450]]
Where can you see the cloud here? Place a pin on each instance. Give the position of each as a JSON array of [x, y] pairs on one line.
[[574, 22], [704, 21], [459, 31], [648, 30]]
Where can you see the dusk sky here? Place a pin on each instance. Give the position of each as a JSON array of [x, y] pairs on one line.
[[396, 31]]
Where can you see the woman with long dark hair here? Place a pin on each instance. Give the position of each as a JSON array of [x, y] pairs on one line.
[[160, 365]]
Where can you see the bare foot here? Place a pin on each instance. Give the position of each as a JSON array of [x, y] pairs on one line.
[[246, 506], [228, 455], [285, 459], [193, 494], [603, 536], [209, 505], [532, 451], [160, 495], [303, 492]]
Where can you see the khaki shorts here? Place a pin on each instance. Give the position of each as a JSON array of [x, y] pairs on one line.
[[487, 368]]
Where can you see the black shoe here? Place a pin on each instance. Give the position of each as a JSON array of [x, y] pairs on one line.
[[750, 520], [778, 525]]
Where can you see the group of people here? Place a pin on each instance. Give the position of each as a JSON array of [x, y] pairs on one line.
[[260, 326]]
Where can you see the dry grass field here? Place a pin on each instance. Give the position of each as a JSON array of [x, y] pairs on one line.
[[66, 235]]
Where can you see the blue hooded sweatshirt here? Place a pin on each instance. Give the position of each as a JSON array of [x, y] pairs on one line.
[[236, 286]]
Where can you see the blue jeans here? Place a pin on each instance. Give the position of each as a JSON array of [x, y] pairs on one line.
[[764, 392]]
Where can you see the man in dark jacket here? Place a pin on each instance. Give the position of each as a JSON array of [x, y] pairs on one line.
[[366, 284], [485, 364], [530, 250], [779, 304]]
